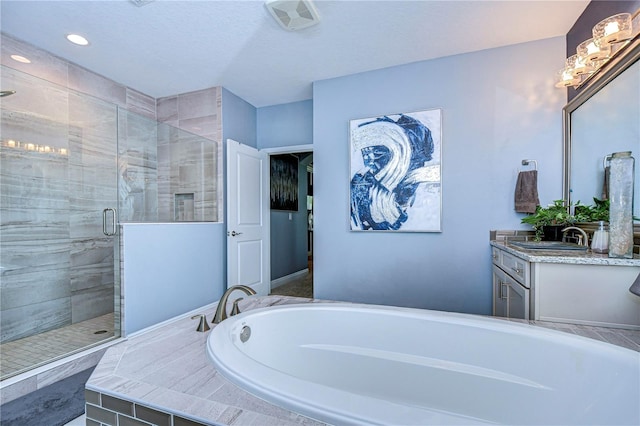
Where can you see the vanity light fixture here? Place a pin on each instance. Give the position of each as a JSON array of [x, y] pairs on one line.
[[579, 65], [22, 59], [565, 78], [77, 39], [609, 36], [594, 50], [614, 29]]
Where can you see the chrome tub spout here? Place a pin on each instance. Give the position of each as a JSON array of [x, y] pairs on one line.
[[221, 311]]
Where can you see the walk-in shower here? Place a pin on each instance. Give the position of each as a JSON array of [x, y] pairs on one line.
[[72, 168]]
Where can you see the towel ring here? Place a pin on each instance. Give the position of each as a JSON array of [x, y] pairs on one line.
[[527, 162]]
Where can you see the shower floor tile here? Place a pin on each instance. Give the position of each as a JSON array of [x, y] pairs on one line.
[[23, 354]]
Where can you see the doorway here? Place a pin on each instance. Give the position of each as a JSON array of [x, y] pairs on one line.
[[292, 228]]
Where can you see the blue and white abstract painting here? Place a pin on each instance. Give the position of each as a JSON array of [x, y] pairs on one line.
[[395, 172]]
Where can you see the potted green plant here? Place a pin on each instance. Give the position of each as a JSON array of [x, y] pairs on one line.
[[597, 212], [548, 222]]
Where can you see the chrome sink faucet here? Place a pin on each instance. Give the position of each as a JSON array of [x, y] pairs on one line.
[[221, 310], [583, 240]]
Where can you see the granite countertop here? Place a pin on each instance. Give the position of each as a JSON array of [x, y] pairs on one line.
[[564, 256], [166, 368]]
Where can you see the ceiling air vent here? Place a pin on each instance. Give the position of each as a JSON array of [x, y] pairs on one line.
[[141, 3], [293, 15]]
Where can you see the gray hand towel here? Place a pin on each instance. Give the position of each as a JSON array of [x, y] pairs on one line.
[[635, 287], [526, 195]]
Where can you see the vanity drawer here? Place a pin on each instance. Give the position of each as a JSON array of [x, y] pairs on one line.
[[495, 255], [516, 267]]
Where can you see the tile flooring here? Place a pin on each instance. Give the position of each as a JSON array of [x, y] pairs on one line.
[[302, 287], [629, 339], [23, 354]]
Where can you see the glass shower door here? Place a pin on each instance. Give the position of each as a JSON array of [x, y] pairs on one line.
[[59, 289]]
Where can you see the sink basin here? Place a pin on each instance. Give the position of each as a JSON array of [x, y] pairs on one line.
[[548, 245]]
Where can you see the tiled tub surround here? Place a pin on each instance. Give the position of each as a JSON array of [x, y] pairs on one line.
[[164, 375]]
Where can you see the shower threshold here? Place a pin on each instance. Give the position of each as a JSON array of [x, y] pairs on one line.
[[19, 356]]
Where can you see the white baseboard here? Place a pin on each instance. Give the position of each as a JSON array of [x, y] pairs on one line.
[[288, 278]]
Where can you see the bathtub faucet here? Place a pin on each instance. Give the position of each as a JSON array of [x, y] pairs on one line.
[[221, 311]]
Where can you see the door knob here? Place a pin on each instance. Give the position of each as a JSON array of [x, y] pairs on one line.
[[234, 233]]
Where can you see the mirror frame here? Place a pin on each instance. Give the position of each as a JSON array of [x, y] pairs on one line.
[[624, 58]]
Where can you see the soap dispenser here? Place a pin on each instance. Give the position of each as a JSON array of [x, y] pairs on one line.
[[600, 241]]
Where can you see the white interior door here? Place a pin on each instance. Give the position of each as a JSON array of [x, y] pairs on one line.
[[248, 249]]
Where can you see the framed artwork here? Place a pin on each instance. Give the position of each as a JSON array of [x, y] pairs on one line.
[[284, 182], [395, 174]]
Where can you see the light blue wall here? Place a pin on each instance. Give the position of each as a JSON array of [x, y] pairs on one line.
[[170, 269], [238, 120], [499, 106], [288, 125], [285, 125]]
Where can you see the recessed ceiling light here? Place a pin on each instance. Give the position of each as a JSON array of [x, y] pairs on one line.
[[20, 59], [77, 39]]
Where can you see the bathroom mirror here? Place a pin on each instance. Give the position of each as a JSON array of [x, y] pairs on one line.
[[602, 119]]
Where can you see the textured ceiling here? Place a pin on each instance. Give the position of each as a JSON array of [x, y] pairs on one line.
[[168, 47]]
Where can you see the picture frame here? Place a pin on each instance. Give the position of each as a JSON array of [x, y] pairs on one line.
[[284, 182], [395, 172]]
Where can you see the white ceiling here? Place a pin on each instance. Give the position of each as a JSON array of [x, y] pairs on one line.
[[169, 47]]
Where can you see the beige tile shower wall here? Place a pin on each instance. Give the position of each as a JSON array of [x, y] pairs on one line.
[[56, 70], [192, 164], [43, 64], [92, 154], [54, 196], [198, 112], [188, 164], [57, 162], [137, 168], [34, 214]]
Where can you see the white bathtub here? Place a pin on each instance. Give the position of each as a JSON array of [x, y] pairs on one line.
[[365, 364]]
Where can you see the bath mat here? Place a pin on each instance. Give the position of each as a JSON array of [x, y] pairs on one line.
[[53, 405]]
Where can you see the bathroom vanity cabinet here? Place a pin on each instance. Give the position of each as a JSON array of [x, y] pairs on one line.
[[576, 288], [511, 286]]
